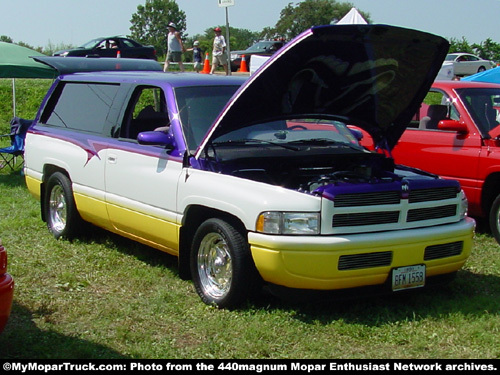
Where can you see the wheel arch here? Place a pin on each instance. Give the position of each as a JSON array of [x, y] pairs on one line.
[[490, 190], [48, 170], [194, 216]]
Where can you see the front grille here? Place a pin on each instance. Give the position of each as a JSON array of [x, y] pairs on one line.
[[399, 207], [367, 260], [431, 213], [443, 250], [365, 218]]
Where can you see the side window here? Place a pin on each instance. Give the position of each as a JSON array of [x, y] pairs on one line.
[[80, 106], [436, 107], [127, 43], [146, 111]]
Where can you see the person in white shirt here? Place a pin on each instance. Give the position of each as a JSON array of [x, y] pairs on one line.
[[219, 56]]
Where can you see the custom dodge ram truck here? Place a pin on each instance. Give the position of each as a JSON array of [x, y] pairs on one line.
[[256, 180]]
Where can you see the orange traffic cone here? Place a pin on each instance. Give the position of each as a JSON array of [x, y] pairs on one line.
[[243, 65], [118, 54], [206, 66]]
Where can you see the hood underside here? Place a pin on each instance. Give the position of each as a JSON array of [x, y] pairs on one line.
[[372, 76]]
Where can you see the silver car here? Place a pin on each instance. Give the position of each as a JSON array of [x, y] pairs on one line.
[[466, 64]]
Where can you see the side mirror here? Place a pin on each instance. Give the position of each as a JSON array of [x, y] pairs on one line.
[[358, 134], [453, 125], [156, 139]]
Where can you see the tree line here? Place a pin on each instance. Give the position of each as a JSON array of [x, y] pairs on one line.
[[149, 27]]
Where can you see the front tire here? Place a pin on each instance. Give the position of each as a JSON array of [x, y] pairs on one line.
[[494, 219], [63, 219], [222, 268]]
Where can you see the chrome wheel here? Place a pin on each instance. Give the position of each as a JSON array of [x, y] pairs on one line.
[[215, 267], [58, 212], [221, 264], [59, 208]]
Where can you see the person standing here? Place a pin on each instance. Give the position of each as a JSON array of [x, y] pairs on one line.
[[219, 56], [197, 58], [174, 47]]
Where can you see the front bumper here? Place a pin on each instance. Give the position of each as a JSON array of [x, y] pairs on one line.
[[307, 262]]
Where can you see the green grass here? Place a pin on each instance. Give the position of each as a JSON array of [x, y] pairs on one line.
[[29, 95], [102, 296]]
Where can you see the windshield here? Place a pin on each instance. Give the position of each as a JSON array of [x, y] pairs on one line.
[[483, 104], [293, 134], [260, 46], [450, 57], [199, 107], [90, 43]]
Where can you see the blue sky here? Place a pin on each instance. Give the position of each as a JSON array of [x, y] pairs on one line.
[[40, 23]]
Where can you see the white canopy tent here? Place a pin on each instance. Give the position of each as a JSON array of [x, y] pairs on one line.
[[352, 17]]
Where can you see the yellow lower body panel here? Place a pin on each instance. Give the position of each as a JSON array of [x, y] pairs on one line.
[[159, 233], [33, 186], [92, 210]]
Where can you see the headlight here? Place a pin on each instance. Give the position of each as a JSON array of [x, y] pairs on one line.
[[289, 223], [464, 205]]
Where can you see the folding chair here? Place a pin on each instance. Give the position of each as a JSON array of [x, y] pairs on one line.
[[13, 155]]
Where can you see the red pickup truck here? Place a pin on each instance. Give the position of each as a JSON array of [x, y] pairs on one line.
[[456, 135]]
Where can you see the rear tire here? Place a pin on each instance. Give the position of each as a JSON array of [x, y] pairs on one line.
[[222, 268], [494, 219], [63, 219]]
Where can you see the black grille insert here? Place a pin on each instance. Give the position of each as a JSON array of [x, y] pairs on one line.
[[365, 218], [366, 260], [443, 250], [367, 199], [427, 195], [430, 213]]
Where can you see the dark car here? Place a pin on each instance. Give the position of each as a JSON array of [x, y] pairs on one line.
[[111, 47], [263, 48]]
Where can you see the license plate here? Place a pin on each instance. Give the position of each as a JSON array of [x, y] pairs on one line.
[[408, 277]]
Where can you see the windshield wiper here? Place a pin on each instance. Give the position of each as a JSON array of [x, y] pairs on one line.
[[258, 141], [326, 141]]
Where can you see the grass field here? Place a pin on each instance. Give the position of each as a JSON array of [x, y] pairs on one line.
[[102, 296]]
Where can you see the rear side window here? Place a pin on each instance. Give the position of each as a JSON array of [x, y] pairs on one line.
[[80, 106]]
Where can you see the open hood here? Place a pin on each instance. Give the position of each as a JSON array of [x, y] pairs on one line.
[[372, 76]]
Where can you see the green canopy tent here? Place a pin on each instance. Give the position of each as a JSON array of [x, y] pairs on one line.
[[15, 62]]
